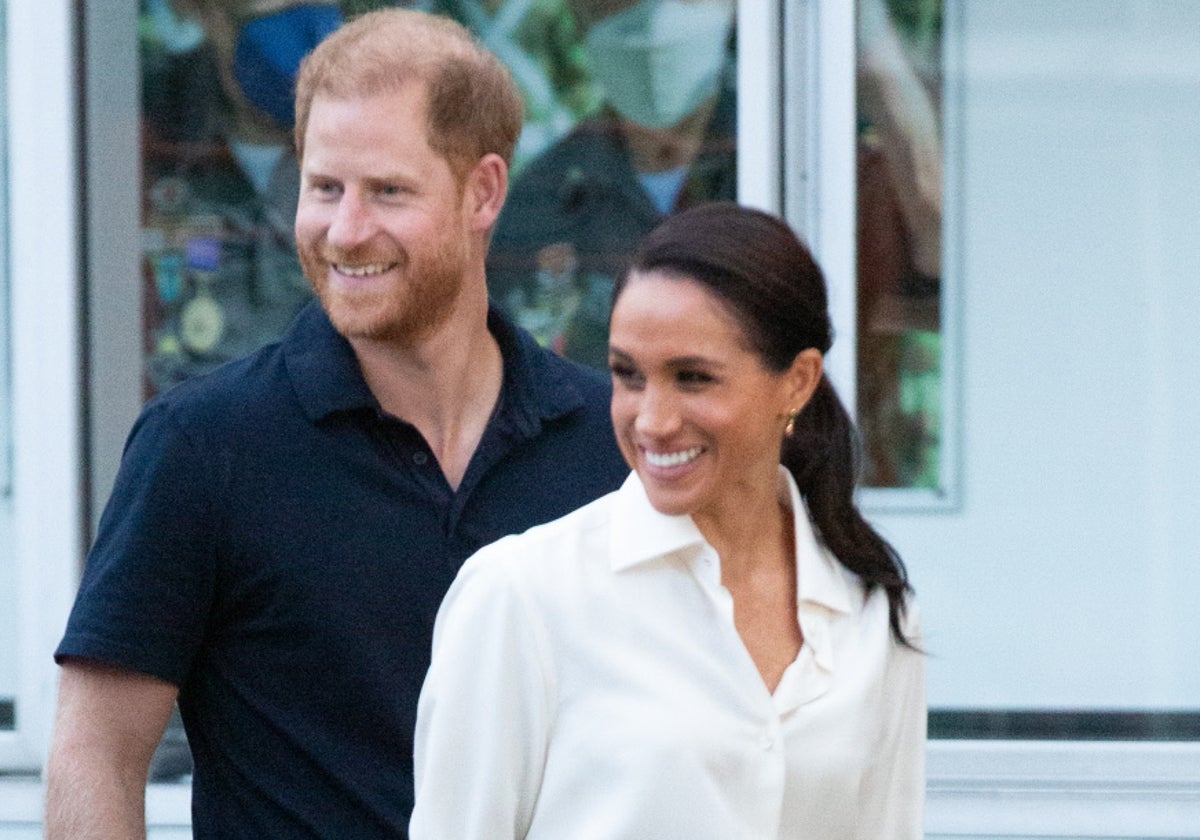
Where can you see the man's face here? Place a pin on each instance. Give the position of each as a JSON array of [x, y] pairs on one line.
[[380, 225]]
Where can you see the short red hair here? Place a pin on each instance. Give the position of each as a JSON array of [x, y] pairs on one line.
[[474, 105]]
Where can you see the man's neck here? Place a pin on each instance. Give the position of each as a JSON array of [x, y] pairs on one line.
[[445, 384]]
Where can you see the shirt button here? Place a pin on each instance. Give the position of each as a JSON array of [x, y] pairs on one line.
[[767, 741], [420, 458]]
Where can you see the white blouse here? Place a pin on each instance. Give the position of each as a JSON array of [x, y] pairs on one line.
[[588, 682]]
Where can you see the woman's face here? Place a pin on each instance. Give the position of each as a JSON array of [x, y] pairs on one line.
[[696, 413]]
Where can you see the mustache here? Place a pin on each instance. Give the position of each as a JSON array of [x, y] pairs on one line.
[[363, 255]]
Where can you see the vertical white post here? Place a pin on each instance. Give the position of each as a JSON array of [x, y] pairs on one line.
[[44, 283], [759, 105], [832, 175]]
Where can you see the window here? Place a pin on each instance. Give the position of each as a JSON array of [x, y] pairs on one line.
[[898, 328]]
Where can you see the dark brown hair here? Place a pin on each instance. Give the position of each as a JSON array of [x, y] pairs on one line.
[[474, 105], [769, 281]]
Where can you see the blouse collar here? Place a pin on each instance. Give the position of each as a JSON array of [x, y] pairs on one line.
[[640, 535]]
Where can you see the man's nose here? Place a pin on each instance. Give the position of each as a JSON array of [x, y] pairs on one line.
[[352, 222]]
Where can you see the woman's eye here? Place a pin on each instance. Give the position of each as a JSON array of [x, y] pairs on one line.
[[625, 374], [694, 378]]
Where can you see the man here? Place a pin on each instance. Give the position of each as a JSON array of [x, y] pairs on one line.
[[282, 532], [664, 140]]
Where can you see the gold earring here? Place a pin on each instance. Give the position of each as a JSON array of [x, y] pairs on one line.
[[791, 423]]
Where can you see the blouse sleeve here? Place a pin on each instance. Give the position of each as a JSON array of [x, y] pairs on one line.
[[896, 777], [485, 710]]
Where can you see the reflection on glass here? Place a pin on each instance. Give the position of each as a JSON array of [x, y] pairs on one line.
[[220, 179], [539, 42], [661, 138], [899, 241]]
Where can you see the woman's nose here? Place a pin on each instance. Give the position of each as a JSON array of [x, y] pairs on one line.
[[658, 412]]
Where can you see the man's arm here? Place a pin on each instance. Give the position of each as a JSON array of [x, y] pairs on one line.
[[108, 723]]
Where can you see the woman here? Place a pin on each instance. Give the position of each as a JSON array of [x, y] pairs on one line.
[[722, 648]]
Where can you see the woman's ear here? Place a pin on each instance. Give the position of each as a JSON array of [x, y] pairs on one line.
[[803, 377], [486, 188]]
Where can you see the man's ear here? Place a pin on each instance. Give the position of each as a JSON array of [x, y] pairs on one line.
[[486, 188]]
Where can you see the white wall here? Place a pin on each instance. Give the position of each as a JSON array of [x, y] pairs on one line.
[[1060, 581]]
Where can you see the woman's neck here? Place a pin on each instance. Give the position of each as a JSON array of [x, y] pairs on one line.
[[754, 532]]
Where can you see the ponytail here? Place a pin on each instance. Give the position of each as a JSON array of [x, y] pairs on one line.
[[822, 455]]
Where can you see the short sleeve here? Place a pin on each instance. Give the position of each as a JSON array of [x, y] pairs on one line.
[[485, 710], [148, 580]]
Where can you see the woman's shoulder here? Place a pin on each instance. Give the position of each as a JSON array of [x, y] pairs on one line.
[[552, 549], [533, 580]]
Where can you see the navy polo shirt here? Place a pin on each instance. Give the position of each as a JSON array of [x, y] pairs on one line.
[[278, 546]]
